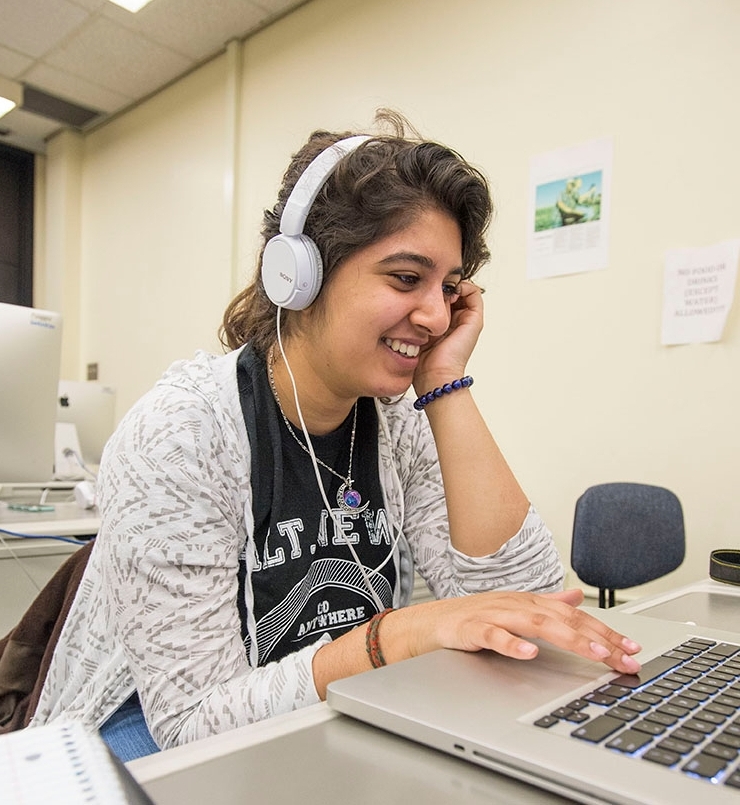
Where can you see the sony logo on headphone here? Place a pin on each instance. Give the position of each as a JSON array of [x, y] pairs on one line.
[[286, 277]]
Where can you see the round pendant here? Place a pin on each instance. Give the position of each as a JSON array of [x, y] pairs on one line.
[[350, 500]]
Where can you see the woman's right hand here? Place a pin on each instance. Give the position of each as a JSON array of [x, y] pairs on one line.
[[502, 622], [498, 621]]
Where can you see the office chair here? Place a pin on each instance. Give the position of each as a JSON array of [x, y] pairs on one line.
[[625, 534]]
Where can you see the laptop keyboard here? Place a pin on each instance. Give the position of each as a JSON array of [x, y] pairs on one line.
[[682, 712]]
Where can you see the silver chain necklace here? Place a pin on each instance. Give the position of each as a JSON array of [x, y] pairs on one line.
[[348, 498]]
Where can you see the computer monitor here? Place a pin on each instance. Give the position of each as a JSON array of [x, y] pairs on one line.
[[30, 356], [90, 407]]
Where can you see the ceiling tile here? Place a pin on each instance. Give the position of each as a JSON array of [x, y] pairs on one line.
[[277, 7], [118, 59], [172, 23], [33, 26], [92, 5], [12, 64]]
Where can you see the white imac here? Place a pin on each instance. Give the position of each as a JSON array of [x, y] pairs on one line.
[[30, 357], [90, 407]]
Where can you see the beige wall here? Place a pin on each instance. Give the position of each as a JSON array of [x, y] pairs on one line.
[[151, 232], [569, 372]]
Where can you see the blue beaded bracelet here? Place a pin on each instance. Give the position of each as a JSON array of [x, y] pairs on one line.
[[448, 388]]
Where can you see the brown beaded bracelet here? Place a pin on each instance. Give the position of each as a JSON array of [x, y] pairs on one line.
[[372, 641]]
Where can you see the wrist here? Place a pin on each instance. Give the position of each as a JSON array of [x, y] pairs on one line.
[[411, 631], [395, 633], [446, 388], [423, 381], [373, 647]]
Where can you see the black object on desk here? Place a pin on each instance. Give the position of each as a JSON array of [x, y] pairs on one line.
[[724, 565]]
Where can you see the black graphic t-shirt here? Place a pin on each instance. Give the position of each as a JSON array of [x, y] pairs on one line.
[[305, 580]]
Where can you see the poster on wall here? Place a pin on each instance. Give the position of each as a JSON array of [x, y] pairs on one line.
[[698, 287], [568, 210]]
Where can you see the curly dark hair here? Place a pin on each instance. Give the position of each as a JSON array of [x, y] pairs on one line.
[[379, 188]]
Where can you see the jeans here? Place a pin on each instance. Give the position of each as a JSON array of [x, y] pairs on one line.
[[126, 732]]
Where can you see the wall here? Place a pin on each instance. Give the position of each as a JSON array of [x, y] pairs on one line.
[[569, 372], [154, 240], [58, 252]]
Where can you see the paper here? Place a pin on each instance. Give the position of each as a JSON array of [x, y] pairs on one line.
[[568, 214], [58, 763], [698, 288]]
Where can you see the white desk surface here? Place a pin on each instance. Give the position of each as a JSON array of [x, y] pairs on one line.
[[703, 603], [318, 757], [67, 519]]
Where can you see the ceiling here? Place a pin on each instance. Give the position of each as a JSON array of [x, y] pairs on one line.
[[81, 61]]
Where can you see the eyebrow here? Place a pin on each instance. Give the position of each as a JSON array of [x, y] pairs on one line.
[[412, 257]]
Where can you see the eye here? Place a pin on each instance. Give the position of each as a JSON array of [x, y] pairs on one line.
[[451, 289], [407, 279]]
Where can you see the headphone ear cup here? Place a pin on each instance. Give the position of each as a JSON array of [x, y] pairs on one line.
[[292, 271]]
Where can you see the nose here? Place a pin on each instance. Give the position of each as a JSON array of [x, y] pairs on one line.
[[431, 312]]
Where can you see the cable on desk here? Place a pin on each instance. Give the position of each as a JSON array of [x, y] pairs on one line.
[[69, 453], [72, 540]]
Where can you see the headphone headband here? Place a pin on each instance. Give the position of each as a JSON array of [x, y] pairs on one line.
[[291, 264], [313, 178]]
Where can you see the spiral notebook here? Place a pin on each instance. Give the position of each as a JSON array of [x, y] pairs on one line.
[[64, 764]]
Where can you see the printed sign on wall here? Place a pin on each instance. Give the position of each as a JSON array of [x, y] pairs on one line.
[[698, 288], [568, 216]]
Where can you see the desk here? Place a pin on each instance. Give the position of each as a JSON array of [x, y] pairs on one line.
[[39, 558], [704, 603], [319, 757], [67, 520]]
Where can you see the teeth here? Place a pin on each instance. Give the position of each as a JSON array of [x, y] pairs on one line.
[[410, 350]]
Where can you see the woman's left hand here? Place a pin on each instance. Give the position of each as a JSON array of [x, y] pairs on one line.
[[446, 356]]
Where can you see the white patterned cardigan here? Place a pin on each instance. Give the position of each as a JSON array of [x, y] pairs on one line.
[[156, 610]]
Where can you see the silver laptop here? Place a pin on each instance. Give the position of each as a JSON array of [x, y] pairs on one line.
[[562, 723]]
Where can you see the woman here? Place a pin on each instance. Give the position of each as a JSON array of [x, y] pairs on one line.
[[263, 511]]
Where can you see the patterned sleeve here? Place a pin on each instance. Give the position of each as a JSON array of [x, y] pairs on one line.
[[170, 542], [529, 560]]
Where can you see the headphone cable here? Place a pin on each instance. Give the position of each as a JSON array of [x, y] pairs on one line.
[[337, 528]]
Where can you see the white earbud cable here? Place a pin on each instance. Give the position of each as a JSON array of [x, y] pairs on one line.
[[314, 462]]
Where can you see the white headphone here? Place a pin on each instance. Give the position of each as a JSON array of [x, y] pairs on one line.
[[291, 264]]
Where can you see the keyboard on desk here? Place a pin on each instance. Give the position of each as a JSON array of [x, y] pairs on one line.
[[682, 712]]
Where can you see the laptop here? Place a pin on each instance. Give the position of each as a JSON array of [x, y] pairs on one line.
[[572, 726]]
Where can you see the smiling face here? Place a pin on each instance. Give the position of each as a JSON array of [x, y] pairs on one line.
[[382, 306]]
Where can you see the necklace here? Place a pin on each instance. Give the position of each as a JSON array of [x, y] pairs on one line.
[[348, 498]]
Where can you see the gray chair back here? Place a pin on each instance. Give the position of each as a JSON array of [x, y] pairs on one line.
[[625, 534]]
